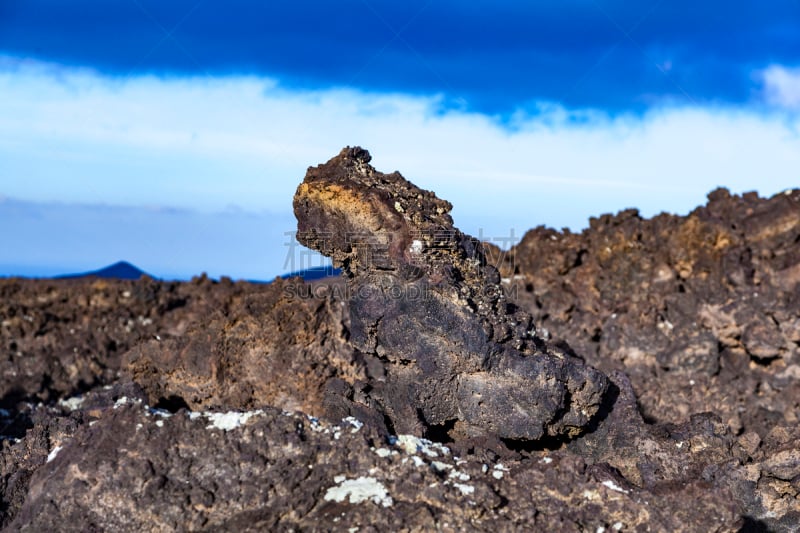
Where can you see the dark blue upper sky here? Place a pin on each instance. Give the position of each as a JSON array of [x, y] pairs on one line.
[[486, 56]]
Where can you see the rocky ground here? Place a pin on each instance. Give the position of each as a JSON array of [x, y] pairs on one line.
[[643, 375]]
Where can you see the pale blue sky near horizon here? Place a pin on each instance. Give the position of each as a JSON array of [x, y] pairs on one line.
[[173, 135]]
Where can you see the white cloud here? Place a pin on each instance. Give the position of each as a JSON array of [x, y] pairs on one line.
[[782, 86], [73, 135]]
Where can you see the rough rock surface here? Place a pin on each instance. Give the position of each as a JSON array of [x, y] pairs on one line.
[[149, 406], [273, 470], [279, 346], [427, 313], [696, 304]]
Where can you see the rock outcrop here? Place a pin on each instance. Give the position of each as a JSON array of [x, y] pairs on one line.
[[701, 311], [443, 345], [277, 346]]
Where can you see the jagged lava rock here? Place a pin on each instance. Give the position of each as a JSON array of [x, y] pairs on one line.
[[442, 344], [277, 345], [63, 336], [116, 464], [701, 311]]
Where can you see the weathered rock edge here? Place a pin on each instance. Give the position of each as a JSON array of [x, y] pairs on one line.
[[442, 344]]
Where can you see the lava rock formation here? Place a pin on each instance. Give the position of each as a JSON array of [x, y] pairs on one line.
[[428, 315]]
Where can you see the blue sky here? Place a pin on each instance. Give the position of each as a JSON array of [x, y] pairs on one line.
[[173, 134]]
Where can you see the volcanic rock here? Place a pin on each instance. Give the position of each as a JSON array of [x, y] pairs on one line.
[[429, 315], [63, 337], [152, 406], [277, 346], [706, 306]]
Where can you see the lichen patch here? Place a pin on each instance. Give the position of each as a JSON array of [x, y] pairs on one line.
[[359, 490]]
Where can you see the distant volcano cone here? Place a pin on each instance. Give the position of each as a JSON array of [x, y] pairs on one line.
[[119, 270]]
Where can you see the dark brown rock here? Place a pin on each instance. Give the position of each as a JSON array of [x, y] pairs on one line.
[[700, 311], [65, 336], [272, 470], [424, 303], [279, 346]]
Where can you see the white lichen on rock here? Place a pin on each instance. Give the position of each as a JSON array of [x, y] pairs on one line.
[[125, 401], [459, 475], [72, 403], [318, 426], [383, 452], [613, 486], [230, 420], [466, 490], [411, 445], [498, 470], [359, 490], [356, 423], [440, 466], [53, 453], [225, 421]]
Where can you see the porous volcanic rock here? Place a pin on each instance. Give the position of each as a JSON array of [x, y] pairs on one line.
[[277, 347], [220, 406], [128, 467], [443, 344], [702, 311], [61, 337]]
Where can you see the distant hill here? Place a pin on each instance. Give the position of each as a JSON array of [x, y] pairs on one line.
[[119, 270], [312, 274], [125, 270]]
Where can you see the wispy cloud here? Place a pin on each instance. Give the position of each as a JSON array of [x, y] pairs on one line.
[[782, 86]]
